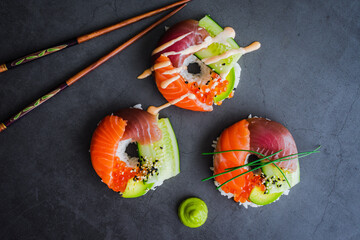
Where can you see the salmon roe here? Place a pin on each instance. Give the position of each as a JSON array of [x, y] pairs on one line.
[[242, 195], [120, 175], [206, 92]]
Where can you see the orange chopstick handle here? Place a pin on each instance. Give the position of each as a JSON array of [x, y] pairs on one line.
[[82, 73], [93, 66], [45, 52], [105, 30]]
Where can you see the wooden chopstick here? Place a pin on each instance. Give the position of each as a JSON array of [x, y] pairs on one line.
[[69, 43], [82, 73]]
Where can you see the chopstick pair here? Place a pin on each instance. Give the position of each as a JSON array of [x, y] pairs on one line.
[[69, 43], [93, 66]]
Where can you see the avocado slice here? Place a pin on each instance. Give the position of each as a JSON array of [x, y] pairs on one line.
[[260, 198], [275, 180], [275, 184], [231, 79], [136, 189]]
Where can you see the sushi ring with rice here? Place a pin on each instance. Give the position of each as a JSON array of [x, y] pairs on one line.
[[158, 153], [203, 43], [260, 137]]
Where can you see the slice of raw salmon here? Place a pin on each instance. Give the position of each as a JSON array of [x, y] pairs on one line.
[[177, 88], [236, 136], [103, 146]]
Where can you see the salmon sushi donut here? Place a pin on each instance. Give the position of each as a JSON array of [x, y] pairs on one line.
[[158, 153], [197, 59], [259, 137]]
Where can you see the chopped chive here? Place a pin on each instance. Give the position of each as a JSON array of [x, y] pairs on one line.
[[258, 163], [235, 168]]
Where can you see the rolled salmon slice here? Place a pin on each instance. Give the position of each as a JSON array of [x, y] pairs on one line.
[[103, 146], [236, 136], [177, 88]]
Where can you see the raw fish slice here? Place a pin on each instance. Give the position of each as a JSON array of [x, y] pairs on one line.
[[141, 126], [236, 136], [177, 88], [268, 137], [104, 144], [112, 166], [196, 37]]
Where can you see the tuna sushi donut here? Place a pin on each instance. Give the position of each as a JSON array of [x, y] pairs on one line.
[[260, 137], [205, 44], [158, 153]]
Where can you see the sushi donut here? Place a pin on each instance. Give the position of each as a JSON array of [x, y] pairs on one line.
[[158, 157], [265, 137], [205, 44]]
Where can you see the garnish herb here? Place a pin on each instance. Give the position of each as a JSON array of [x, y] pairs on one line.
[[258, 163]]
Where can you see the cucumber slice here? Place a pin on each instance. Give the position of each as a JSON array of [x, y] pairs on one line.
[[136, 189], [224, 65], [275, 180], [210, 26], [231, 79], [165, 152], [260, 198]]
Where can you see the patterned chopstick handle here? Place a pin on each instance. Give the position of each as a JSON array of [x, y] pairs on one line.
[[86, 70], [39, 54], [32, 106]]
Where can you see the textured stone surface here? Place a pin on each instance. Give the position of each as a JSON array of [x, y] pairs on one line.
[[306, 76]]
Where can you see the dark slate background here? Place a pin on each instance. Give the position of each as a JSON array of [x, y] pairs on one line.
[[306, 76]]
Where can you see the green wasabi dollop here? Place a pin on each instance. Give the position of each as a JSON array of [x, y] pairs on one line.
[[193, 212]]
